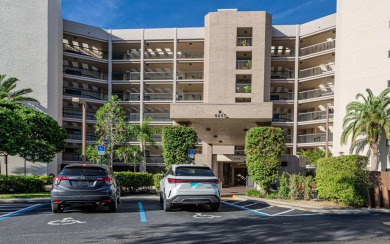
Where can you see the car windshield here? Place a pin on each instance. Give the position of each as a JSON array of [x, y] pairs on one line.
[[193, 171], [82, 171]]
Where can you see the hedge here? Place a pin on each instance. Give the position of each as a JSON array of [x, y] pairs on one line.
[[156, 179], [344, 179], [21, 184], [133, 182]]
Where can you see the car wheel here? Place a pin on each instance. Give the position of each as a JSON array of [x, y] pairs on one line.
[[161, 198], [57, 208], [215, 206], [167, 206], [113, 207]]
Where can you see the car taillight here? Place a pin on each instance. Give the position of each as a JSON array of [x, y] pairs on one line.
[[172, 180], [57, 180], [108, 180]]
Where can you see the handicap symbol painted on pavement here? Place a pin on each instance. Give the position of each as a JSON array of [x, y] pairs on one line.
[[65, 221], [205, 216]]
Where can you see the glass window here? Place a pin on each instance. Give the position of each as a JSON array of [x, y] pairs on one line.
[[194, 171], [83, 171]]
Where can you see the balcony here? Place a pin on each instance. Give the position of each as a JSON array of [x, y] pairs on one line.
[[244, 41], [244, 64], [190, 96], [316, 93], [320, 47], [190, 54], [282, 118], [158, 116], [283, 74], [289, 139], [158, 97], [282, 52], [312, 116], [90, 52], [277, 96], [157, 137], [126, 96], [71, 157], [134, 117], [126, 75], [190, 75], [323, 69], [244, 88], [126, 55], [78, 136], [95, 74], [85, 94], [77, 114], [314, 138], [158, 76], [160, 54]]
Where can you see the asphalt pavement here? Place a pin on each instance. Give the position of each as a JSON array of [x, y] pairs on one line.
[[140, 219]]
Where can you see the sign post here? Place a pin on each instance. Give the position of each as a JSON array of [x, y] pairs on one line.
[[101, 151]]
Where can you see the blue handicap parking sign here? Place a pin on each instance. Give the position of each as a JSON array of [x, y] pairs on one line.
[[101, 150], [191, 153]]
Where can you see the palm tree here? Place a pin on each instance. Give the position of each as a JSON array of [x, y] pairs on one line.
[[18, 96], [144, 133], [368, 119]]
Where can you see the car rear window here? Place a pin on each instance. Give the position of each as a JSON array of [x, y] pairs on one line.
[[83, 171], [193, 171]]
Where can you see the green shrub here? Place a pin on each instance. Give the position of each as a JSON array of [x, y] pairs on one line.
[[283, 190], [264, 147], [156, 182], [344, 179], [294, 184], [133, 182], [21, 184], [253, 193], [47, 180], [272, 195]]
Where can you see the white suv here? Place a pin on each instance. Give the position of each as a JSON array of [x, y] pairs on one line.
[[190, 184]]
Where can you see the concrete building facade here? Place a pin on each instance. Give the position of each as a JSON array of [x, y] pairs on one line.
[[237, 72]]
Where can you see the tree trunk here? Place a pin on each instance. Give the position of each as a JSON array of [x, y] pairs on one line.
[[374, 156]]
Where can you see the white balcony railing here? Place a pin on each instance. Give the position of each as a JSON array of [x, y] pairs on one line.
[[313, 138], [243, 88], [319, 70], [158, 76], [244, 64], [190, 75], [315, 93], [96, 74], [190, 96], [160, 54], [282, 117], [190, 54], [283, 74], [158, 97], [126, 75], [323, 46], [244, 41], [158, 116], [87, 51], [309, 116], [275, 96], [126, 55]]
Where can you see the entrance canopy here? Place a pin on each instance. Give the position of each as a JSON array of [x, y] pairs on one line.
[[222, 124]]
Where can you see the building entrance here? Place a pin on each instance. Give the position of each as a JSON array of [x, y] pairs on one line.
[[234, 174], [240, 175]]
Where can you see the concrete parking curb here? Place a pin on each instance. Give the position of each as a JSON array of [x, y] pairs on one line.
[[312, 208]]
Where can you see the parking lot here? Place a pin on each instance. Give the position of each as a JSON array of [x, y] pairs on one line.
[[141, 219]]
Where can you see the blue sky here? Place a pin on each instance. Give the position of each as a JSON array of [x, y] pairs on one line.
[[127, 14]]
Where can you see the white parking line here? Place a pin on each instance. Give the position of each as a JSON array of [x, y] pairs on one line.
[[239, 202], [284, 212], [264, 208], [251, 204]]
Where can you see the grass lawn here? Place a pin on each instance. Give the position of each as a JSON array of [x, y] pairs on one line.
[[25, 195]]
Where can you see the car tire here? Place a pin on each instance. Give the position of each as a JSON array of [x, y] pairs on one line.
[[57, 208], [167, 206], [161, 198], [215, 206], [113, 207]]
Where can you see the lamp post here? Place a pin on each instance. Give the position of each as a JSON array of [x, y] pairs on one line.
[[83, 126]]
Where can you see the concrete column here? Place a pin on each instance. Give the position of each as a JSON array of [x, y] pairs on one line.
[[296, 85], [175, 66], [141, 91], [109, 75]]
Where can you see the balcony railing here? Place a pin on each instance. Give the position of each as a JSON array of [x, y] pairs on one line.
[[85, 93], [158, 76], [91, 52], [77, 114], [134, 117], [317, 115], [158, 116], [283, 52], [77, 136], [126, 55], [190, 75], [85, 73], [71, 157], [126, 96], [189, 54], [282, 118], [283, 74], [323, 46], [315, 93], [157, 138], [244, 88], [126, 75], [320, 70], [158, 54], [289, 139], [190, 96], [158, 96], [244, 41], [312, 138], [275, 96], [244, 64]]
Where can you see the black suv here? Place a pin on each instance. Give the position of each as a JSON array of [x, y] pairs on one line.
[[84, 184]]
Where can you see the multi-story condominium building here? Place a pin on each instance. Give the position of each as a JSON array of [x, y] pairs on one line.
[[238, 71]]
